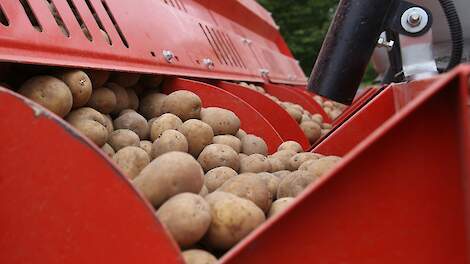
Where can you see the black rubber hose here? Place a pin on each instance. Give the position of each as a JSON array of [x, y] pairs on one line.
[[456, 34]]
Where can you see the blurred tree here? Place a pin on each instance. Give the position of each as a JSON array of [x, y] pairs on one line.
[[303, 24]]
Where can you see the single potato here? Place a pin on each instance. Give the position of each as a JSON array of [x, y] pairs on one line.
[[280, 205], [198, 256], [198, 134], [252, 144], [222, 121], [184, 104], [290, 145], [164, 122], [228, 140], [103, 100], [131, 160], [91, 123], [80, 86], [218, 176], [254, 163], [121, 138], [217, 155], [133, 121], [150, 105], [294, 183], [170, 140]]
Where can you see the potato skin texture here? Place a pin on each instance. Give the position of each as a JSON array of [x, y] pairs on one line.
[[50, 92], [123, 138], [147, 146], [98, 77], [254, 163], [103, 100], [122, 98], [284, 156], [162, 123], [249, 186], [91, 123], [150, 105], [186, 216], [321, 166], [125, 79], [222, 121], [198, 134], [170, 140], [80, 86], [198, 256], [230, 141], [294, 183], [133, 121], [290, 145], [184, 104], [233, 218], [298, 159], [108, 150], [311, 130], [170, 174], [131, 160], [252, 144], [217, 155], [280, 205], [218, 176]]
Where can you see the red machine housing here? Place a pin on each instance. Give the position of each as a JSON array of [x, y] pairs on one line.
[[398, 196]]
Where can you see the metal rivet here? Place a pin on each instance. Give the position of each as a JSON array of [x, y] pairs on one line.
[[168, 55], [208, 63], [264, 72], [246, 41]]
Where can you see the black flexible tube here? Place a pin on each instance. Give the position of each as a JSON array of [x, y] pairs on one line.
[[456, 33]]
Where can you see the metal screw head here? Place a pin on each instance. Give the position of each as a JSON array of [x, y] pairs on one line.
[[168, 55], [264, 72], [414, 19], [208, 63]]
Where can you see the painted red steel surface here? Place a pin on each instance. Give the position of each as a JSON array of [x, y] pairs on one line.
[[281, 121], [357, 104], [392, 199], [62, 199], [238, 36], [290, 94], [251, 120]]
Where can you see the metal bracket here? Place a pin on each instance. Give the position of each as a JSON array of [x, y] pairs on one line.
[[417, 56]]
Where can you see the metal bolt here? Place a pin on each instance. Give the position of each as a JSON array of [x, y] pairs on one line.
[[383, 43], [264, 72], [209, 63], [246, 41], [414, 19], [168, 55]]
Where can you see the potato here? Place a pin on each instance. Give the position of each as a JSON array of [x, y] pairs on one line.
[[131, 160], [169, 140], [218, 176], [294, 113], [121, 138], [228, 140], [271, 181], [103, 100], [122, 99], [198, 256], [164, 122], [324, 132], [254, 163], [275, 164], [108, 124], [307, 164], [98, 77], [323, 165], [150, 105], [326, 126], [186, 216], [242, 155], [305, 118], [284, 156], [233, 218], [184, 104], [300, 158], [91, 123], [311, 130], [198, 134], [240, 133], [133, 121], [290, 145], [49, 92], [317, 118], [249, 186], [294, 183], [133, 99], [203, 192], [252, 144], [147, 146], [108, 150], [217, 155], [125, 79], [281, 174], [151, 81], [169, 174], [280, 205], [222, 121], [80, 86]]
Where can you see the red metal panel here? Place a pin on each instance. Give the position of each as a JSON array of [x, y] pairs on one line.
[[63, 201], [391, 200], [251, 120], [294, 96], [188, 30], [357, 104], [284, 124]]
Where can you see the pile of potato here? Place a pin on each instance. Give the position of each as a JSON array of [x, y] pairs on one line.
[[332, 109], [311, 124], [211, 184]]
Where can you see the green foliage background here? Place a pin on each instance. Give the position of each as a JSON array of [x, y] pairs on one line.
[[303, 24]]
